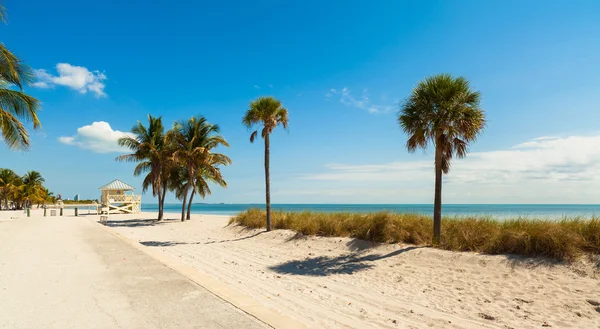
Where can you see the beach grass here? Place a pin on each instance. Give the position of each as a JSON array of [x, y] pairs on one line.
[[564, 239]]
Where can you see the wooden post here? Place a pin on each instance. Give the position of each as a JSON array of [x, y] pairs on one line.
[[44, 212], [28, 212], [61, 210], [76, 212]]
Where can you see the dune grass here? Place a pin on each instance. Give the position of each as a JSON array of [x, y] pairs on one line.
[[564, 239]]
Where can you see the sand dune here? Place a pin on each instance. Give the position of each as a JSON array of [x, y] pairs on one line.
[[345, 283]]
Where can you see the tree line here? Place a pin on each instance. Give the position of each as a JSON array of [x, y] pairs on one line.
[[181, 160], [19, 192]]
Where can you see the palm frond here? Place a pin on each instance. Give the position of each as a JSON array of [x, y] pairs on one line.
[[253, 136], [442, 110], [13, 132], [13, 70], [3, 14], [16, 104]]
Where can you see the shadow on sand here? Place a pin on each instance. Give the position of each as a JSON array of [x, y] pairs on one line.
[[324, 266], [137, 222], [174, 243]]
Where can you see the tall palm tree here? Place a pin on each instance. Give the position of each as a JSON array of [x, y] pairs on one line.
[[442, 110], [150, 150], [193, 141], [268, 113], [15, 105]]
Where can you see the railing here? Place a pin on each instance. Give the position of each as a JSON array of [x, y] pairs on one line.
[[124, 198]]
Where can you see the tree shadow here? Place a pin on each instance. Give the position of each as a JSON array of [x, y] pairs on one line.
[[517, 261], [130, 223], [325, 266], [174, 243], [162, 243], [137, 222], [356, 245], [238, 239]]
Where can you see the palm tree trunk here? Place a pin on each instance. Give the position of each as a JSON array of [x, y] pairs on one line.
[[187, 186], [161, 201], [437, 204], [268, 183], [189, 210], [160, 204]]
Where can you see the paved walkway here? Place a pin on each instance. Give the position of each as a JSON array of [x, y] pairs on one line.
[[67, 272]]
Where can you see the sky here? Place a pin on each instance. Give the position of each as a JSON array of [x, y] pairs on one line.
[[341, 68]]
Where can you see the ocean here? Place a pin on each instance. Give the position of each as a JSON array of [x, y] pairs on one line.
[[545, 211]]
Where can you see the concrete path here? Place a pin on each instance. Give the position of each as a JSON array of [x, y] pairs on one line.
[[67, 272]]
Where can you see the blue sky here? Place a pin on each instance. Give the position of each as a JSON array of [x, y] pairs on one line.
[[340, 68]]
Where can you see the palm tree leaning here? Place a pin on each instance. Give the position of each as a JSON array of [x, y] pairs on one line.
[[442, 110], [150, 150], [15, 105], [209, 173], [192, 142], [268, 113]]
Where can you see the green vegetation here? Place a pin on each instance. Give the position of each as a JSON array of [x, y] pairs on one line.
[[180, 160], [268, 113], [150, 151], [192, 142], [562, 239], [18, 192], [445, 111], [88, 201], [15, 105]]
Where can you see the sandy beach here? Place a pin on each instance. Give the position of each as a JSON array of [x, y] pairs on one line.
[[70, 272], [345, 283]]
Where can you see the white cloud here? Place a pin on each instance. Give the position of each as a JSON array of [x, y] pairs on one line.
[[256, 87], [98, 137], [548, 169], [75, 77], [363, 102]]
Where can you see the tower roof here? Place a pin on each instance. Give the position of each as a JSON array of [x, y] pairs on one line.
[[117, 185]]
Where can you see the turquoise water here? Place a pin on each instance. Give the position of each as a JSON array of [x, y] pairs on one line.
[[493, 210]]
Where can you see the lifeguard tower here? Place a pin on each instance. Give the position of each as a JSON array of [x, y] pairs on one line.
[[118, 198]]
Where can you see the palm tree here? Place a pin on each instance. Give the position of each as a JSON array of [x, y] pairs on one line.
[[192, 142], [14, 104], [50, 197], [150, 150], [33, 177], [208, 173], [445, 111], [33, 189], [9, 186], [268, 113]]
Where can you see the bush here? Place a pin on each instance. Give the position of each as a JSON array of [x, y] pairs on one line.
[[563, 239]]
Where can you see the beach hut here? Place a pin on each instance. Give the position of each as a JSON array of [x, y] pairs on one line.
[[118, 198]]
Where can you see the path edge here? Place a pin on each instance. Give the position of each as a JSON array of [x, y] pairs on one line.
[[217, 288]]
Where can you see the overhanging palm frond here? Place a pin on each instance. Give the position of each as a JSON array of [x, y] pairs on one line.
[[2, 14], [12, 69], [15, 105], [13, 132]]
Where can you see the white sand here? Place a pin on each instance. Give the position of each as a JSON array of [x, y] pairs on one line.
[[345, 283], [68, 272]]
